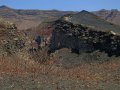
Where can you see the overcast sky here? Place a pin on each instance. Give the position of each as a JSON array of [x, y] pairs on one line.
[[66, 5]]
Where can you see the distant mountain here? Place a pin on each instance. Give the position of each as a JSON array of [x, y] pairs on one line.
[[25, 19], [7, 12], [90, 20], [109, 15]]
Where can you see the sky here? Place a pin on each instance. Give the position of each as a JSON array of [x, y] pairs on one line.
[[64, 5]]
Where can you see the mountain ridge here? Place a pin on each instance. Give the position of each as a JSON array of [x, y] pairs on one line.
[[91, 20], [25, 19]]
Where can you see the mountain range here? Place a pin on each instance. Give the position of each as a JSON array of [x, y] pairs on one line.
[[25, 19]]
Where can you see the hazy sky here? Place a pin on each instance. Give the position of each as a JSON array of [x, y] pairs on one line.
[[71, 5]]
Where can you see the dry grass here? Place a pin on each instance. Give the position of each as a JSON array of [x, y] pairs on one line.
[[90, 74]]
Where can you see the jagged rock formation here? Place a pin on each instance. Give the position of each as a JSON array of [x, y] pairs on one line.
[[80, 38]]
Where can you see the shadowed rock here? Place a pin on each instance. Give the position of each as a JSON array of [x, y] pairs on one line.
[[80, 38]]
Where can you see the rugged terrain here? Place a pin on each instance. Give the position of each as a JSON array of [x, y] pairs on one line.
[[66, 54], [25, 19], [85, 35]]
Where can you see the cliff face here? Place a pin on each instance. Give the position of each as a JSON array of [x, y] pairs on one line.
[[81, 38]]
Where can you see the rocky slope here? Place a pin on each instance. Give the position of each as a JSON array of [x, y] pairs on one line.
[[16, 43], [11, 41], [78, 33]]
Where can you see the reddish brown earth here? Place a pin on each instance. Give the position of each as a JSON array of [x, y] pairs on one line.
[[89, 76]]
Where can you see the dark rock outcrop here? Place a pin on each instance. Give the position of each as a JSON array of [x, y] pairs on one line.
[[80, 38]]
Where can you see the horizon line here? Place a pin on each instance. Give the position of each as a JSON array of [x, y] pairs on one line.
[[52, 9]]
